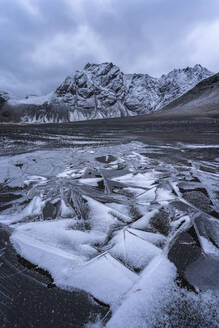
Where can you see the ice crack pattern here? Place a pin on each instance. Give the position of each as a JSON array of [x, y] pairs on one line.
[[134, 225]]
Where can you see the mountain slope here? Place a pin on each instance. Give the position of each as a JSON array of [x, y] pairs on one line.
[[103, 91], [202, 99]]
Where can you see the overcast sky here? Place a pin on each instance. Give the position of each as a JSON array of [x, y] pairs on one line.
[[42, 41]]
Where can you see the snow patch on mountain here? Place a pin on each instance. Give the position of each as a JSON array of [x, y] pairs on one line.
[[103, 91]]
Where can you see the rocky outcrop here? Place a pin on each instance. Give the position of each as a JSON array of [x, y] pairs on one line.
[[4, 96], [103, 91], [4, 113]]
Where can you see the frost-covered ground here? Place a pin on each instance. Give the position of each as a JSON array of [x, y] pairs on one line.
[[133, 224]]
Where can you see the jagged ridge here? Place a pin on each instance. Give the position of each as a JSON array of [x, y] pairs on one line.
[[103, 91]]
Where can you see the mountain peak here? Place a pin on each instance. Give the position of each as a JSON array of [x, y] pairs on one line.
[[102, 91], [199, 66], [91, 65]]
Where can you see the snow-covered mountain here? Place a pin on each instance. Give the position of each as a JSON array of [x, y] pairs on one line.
[[103, 91]]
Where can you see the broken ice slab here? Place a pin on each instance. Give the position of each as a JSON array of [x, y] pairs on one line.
[[60, 234], [144, 301], [138, 180], [203, 273], [199, 200], [51, 210], [156, 194], [185, 186], [147, 196], [155, 238], [34, 208], [163, 195], [133, 249], [143, 222], [104, 218], [181, 208], [71, 259], [196, 253], [161, 221], [210, 184], [104, 277], [184, 251], [207, 229], [90, 181], [66, 211]]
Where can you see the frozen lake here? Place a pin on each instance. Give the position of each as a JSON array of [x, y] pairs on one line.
[[112, 220]]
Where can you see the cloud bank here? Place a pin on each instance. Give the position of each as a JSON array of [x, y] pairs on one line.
[[42, 41]]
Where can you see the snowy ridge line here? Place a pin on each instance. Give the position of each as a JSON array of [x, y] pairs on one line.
[[101, 91]]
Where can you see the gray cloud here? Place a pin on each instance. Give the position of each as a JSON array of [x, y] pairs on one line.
[[42, 41]]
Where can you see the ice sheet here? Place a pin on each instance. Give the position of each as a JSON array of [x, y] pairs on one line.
[[138, 180], [32, 209], [71, 259], [133, 250], [140, 306]]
